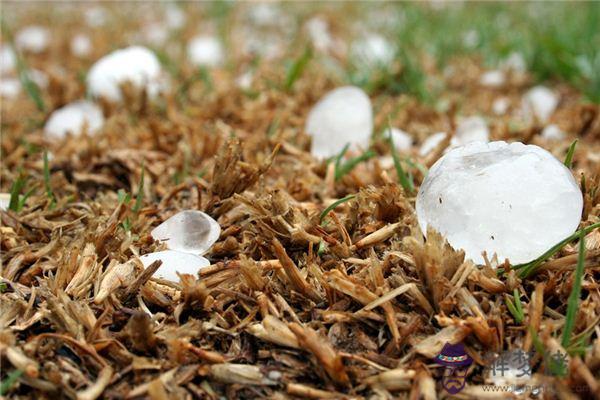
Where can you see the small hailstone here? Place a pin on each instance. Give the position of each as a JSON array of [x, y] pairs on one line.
[[540, 101], [174, 16], [318, 31], [495, 78], [74, 118], [373, 50], [244, 81], [343, 116], [470, 39], [81, 45], [500, 106], [7, 59], [155, 33], [471, 129], [431, 143], [10, 88], [4, 201], [34, 39], [189, 231], [402, 140], [174, 262], [553, 132], [265, 14], [39, 78], [134, 64], [514, 200], [205, 50], [95, 16], [515, 62]]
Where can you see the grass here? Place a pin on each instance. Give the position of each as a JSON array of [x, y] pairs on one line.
[[47, 186], [294, 71], [528, 269], [570, 153], [406, 180], [140, 194], [10, 380], [334, 205], [343, 168], [17, 200], [516, 307], [573, 303]]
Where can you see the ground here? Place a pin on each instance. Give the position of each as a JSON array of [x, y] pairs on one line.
[[321, 284]]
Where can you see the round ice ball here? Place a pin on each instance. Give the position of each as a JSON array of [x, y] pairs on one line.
[[74, 118], [514, 200], [136, 65], [343, 116]]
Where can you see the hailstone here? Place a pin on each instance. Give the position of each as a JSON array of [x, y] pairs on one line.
[[81, 45], [373, 50], [343, 116], [188, 231], [553, 132], [471, 129], [514, 200], [34, 39], [174, 262], [136, 65], [540, 102], [494, 78], [74, 118], [402, 140], [431, 143], [205, 51], [8, 60]]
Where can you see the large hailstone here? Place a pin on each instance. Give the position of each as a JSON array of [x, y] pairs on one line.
[[343, 116], [174, 262], [514, 200], [206, 51], [189, 231], [136, 65], [73, 119]]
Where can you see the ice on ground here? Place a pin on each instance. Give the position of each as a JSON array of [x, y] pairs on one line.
[[343, 116], [244, 81], [373, 50], [74, 119], [402, 140], [8, 60], [156, 33], [174, 262], [318, 31], [34, 39], [540, 102], [514, 200], [81, 45], [4, 201], [205, 51], [9, 88], [495, 78], [515, 62], [500, 106], [174, 16], [432, 143], [95, 16], [136, 65], [553, 132], [189, 231], [470, 129]]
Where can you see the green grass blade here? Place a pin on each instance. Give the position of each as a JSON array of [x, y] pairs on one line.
[[519, 305], [295, 70], [404, 179], [47, 185], [527, 269], [334, 205], [140, 194], [513, 310], [573, 302], [15, 193], [570, 153], [10, 380], [343, 169]]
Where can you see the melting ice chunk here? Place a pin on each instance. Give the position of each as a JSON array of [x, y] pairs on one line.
[[514, 200], [343, 116], [136, 65], [188, 231], [74, 118], [431, 143], [173, 262]]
